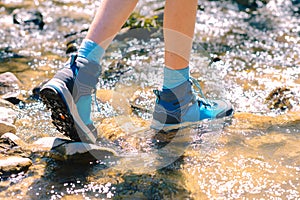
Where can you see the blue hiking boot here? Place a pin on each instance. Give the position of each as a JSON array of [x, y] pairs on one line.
[[68, 96], [180, 106]]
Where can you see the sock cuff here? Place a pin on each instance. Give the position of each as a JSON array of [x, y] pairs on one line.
[[173, 78], [91, 50]]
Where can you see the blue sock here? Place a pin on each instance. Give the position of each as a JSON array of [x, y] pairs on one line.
[[174, 78], [91, 50], [84, 108]]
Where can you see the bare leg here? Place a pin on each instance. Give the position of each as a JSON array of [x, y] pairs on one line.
[[109, 19], [179, 25]]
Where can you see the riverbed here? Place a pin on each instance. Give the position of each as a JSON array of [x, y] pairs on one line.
[[244, 52]]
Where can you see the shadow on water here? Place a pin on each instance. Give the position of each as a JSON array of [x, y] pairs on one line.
[[94, 180]]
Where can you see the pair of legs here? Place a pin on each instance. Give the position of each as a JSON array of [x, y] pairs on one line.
[[179, 23], [68, 94]]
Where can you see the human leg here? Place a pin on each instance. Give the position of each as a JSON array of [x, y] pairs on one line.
[[68, 93], [177, 102], [179, 24]]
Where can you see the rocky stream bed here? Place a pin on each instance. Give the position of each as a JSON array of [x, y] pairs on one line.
[[246, 51]]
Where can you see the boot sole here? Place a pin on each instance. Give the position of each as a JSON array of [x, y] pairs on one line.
[[65, 116], [61, 117]]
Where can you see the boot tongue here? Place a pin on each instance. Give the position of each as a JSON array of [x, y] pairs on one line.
[[73, 67]]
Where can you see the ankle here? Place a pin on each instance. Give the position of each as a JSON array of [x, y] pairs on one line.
[[91, 51], [174, 78]]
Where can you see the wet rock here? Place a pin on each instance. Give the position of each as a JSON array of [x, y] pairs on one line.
[[13, 139], [141, 27], [125, 130], [72, 46], [67, 150], [6, 127], [143, 100], [250, 4], [7, 118], [29, 19], [6, 104], [7, 53], [13, 164], [9, 147], [144, 34], [281, 99], [114, 72], [10, 88], [136, 20], [9, 84], [12, 158], [48, 143], [7, 115]]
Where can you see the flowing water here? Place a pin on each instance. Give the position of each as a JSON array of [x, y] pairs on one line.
[[256, 66]]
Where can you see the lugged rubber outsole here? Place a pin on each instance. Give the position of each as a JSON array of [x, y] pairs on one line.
[[61, 117], [158, 126]]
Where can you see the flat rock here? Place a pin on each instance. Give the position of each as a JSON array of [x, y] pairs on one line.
[[253, 121], [13, 164], [48, 143], [67, 150], [127, 131]]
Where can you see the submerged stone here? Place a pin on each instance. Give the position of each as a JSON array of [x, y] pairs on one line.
[[143, 100], [281, 99], [116, 99], [8, 53], [29, 19], [250, 4]]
